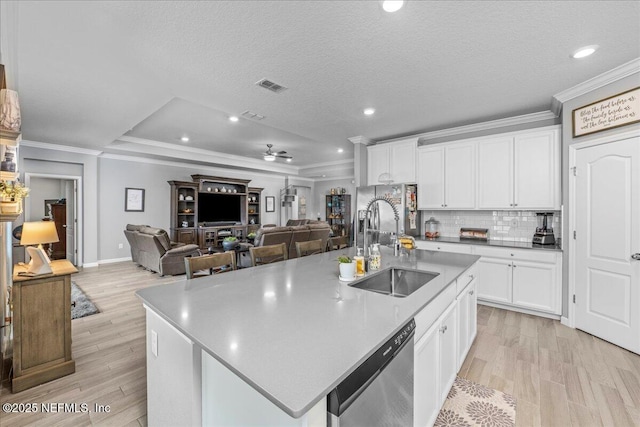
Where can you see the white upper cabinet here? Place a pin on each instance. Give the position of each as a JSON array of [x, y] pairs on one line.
[[537, 170], [446, 176], [495, 173], [398, 159], [520, 170]]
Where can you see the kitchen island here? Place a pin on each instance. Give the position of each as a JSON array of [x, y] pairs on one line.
[[289, 331]]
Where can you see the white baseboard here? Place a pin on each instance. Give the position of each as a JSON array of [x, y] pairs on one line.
[[114, 260], [519, 309], [90, 264]]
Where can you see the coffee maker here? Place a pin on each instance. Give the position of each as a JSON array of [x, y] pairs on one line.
[[544, 230]]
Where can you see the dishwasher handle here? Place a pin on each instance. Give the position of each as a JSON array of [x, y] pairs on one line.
[[345, 393]]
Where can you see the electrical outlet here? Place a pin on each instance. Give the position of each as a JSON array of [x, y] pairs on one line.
[[154, 343], [120, 246]]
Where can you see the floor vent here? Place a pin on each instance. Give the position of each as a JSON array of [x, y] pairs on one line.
[[273, 87], [249, 115]]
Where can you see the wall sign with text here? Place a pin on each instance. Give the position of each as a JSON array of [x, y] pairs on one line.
[[618, 110]]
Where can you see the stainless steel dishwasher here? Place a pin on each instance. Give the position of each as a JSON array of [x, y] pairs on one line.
[[380, 391]]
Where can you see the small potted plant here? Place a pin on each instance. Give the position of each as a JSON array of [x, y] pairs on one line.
[[12, 194], [229, 243], [347, 267], [251, 236]]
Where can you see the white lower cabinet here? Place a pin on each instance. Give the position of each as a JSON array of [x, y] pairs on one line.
[[467, 320], [426, 392], [434, 368], [526, 279]]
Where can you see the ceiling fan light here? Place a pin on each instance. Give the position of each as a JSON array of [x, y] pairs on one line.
[[392, 5], [269, 157], [289, 160]]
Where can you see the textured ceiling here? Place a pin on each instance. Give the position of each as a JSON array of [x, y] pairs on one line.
[[90, 73]]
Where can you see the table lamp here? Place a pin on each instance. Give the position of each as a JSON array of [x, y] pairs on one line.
[[37, 233]]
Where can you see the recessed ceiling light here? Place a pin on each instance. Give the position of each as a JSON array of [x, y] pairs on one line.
[[392, 5], [340, 150], [233, 119], [369, 111], [184, 139], [583, 52], [324, 176]]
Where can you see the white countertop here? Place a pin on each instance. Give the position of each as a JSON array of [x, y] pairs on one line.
[[291, 329]]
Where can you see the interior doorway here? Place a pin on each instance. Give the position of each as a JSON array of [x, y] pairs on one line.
[[57, 198], [606, 241]]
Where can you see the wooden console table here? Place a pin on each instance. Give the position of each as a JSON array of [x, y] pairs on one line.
[[42, 326]]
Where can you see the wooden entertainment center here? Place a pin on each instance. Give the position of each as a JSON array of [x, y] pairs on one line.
[[210, 208]]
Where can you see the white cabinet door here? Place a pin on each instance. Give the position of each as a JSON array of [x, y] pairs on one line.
[[431, 178], [495, 173], [426, 390], [402, 156], [460, 176], [377, 163], [495, 284], [447, 348], [467, 319], [535, 286], [537, 170]]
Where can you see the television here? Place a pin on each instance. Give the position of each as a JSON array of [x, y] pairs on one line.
[[219, 208]]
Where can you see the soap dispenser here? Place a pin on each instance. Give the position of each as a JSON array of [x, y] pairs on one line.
[[375, 260]]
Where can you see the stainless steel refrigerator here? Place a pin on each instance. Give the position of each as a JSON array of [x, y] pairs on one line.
[[381, 222]]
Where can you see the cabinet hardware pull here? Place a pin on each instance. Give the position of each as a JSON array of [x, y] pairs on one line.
[[471, 275], [443, 329], [470, 292], [514, 266], [636, 256]]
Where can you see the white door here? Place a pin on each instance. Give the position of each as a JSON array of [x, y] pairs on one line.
[[431, 178], [460, 176], [607, 237], [70, 194], [495, 173]]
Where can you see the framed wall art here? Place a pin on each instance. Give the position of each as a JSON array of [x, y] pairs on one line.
[[270, 203], [617, 110], [134, 199]]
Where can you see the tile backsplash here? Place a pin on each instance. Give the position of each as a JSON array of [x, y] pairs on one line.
[[503, 225]]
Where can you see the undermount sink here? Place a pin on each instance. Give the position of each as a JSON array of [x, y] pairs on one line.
[[397, 282]]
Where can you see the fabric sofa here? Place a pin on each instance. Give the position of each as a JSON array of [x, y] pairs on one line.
[[152, 249], [289, 235]]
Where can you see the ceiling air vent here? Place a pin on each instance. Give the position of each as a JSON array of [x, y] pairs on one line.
[[273, 87], [249, 115]]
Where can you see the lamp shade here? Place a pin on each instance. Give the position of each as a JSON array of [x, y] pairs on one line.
[[35, 233]]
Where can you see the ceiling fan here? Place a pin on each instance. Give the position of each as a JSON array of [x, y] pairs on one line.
[[270, 156]]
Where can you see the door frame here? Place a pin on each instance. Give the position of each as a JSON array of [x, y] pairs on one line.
[[79, 235], [573, 152]]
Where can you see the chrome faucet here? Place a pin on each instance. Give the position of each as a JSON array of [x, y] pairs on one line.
[[396, 245]]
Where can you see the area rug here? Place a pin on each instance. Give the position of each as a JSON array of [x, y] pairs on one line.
[[81, 305], [472, 404]]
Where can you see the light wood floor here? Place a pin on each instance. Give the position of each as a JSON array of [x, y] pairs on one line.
[[560, 376]]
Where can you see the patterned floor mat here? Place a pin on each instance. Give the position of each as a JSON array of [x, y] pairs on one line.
[[472, 404]]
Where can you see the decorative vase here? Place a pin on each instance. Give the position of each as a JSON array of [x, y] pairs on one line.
[[9, 110], [229, 246], [10, 207], [348, 270]]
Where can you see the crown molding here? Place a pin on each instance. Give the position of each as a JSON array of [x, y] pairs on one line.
[[58, 147], [334, 178], [625, 70], [216, 157], [360, 140], [476, 127]]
